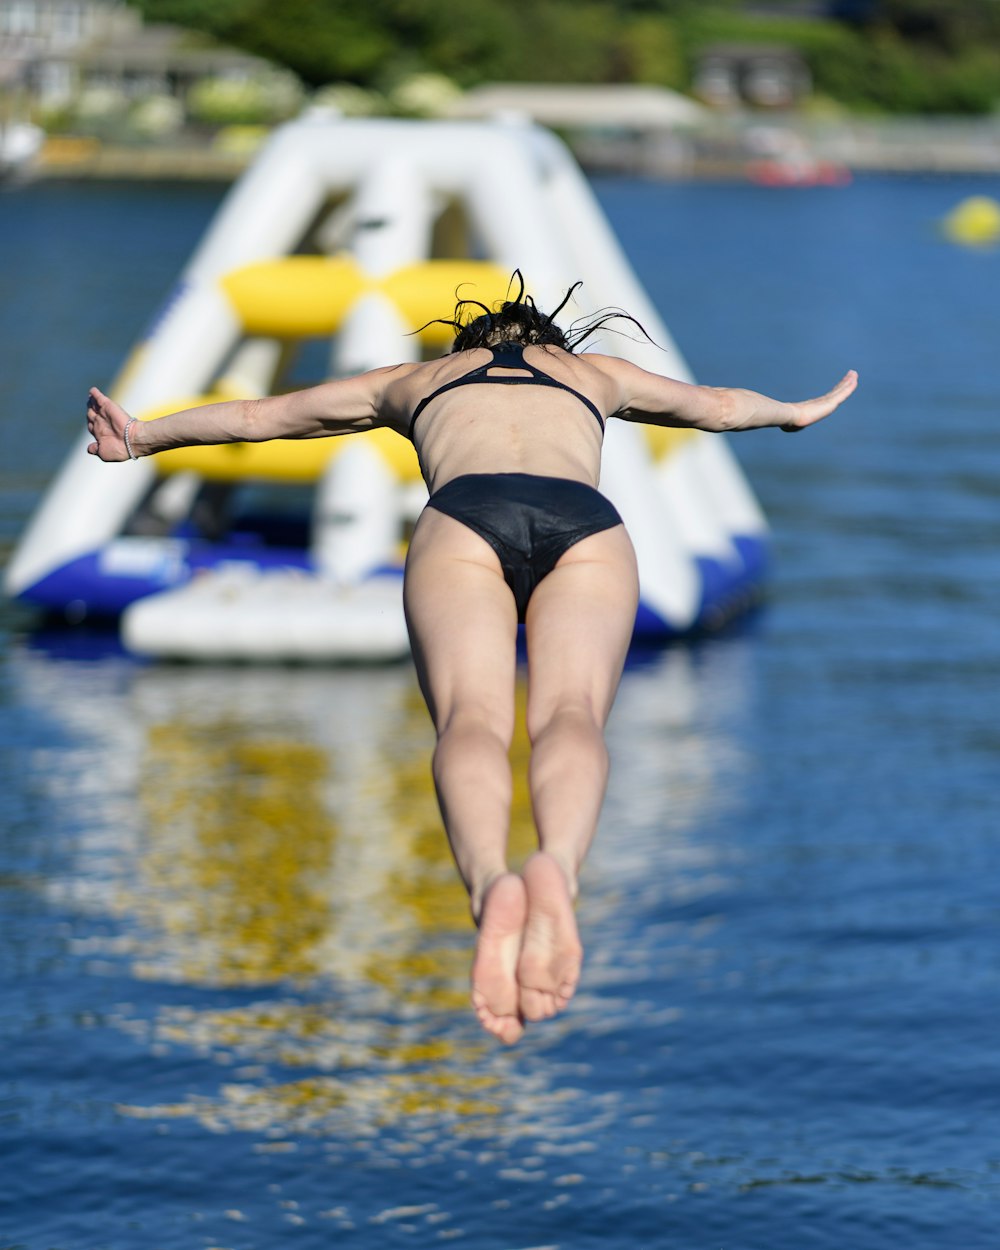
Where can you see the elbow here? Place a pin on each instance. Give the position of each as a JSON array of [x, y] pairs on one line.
[[721, 413], [250, 422]]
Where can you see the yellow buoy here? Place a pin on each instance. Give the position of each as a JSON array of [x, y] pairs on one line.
[[975, 221]]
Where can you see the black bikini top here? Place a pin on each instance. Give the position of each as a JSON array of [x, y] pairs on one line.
[[510, 356]]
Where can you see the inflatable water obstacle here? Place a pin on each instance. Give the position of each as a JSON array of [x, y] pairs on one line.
[[326, 258]]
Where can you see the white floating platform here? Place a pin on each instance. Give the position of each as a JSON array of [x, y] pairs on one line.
[[279, 615]]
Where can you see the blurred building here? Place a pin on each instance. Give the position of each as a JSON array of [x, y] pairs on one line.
[[583, 107], [728, 75], [53, 50], [614, 127]]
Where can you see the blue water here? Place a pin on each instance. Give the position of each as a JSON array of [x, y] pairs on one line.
[[232, 953]]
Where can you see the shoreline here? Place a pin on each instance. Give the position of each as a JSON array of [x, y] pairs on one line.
[[725, 150]]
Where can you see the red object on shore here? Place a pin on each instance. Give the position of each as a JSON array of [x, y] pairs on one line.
[[794, 173]]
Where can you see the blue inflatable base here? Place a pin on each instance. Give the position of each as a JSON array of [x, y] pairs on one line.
[[101, 585], [728, 589]]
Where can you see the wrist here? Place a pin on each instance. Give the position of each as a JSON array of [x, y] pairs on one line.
[[128, 437], [136, 438]]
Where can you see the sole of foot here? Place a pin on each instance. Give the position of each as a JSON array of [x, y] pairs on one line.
[[495, 992], [551, 955]]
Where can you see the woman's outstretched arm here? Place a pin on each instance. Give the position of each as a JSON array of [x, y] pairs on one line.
[[655, 400], [346, 406]]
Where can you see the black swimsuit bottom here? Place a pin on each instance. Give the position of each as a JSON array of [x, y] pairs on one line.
[[530, 521]]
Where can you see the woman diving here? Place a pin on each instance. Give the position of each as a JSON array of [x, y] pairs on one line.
[[508, 429]]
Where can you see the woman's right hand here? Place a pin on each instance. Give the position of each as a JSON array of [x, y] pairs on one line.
[[106, 421]]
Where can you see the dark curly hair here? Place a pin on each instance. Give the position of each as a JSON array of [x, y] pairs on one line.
[[520, 321]]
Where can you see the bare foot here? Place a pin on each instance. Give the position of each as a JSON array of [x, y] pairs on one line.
[[551, 954], [494, 980]]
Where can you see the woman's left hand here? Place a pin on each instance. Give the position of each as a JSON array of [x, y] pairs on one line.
[[809, 411]]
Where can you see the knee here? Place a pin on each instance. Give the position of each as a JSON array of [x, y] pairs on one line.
[[575, 720], [474, 727]]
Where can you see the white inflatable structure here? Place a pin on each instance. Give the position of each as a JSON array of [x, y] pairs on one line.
[[353, 235]]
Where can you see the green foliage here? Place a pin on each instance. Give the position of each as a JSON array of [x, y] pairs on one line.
[[949, 25], [320, 40], [896, 55], [648, 50], [560, 50], [882, 72], [876, 68], [713, 24], [222, 102]]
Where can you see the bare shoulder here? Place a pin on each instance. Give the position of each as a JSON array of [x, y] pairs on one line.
[[392, 386], [588, 372], [627, 386], [400, 383], [611, 366], [387, 376]]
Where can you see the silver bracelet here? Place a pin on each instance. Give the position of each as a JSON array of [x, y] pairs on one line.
[[128, 445]]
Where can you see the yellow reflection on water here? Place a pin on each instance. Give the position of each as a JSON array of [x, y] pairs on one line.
[[269, 853], [279, 847], [365, 1073], [278, 829], [290, 835], [361, 1103], [237, 851]]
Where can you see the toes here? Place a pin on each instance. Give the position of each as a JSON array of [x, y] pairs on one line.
[[537, 1004], [509, 1029], [567, 987]]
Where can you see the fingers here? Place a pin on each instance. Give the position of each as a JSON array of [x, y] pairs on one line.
[[847, 385], [809, 411], [837, 394], [98, 420], [99, 403]]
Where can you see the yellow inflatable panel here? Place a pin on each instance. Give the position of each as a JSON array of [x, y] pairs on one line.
[[284, 460], [431, 289], [663, 441], [310, 296], [281, 460], [296, 296]]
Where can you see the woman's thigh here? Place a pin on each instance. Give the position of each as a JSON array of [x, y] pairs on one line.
[[463, 623], [579, 626]]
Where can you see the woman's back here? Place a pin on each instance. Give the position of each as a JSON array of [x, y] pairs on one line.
[[535, 410]]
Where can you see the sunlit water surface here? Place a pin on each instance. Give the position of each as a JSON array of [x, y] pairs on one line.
[[233, 955]]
